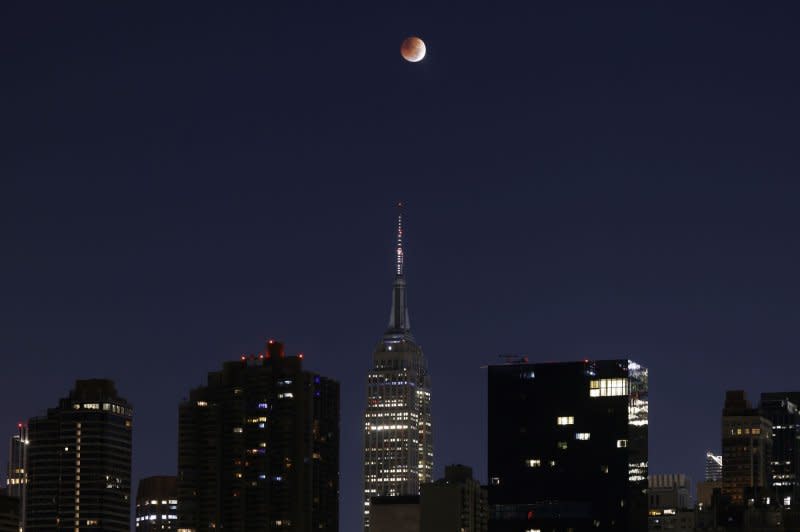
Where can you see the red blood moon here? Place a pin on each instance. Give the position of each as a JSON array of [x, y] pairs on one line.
[[413, 49]]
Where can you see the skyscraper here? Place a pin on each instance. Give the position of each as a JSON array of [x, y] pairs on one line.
[[398, 442], [781, 409], [79, 462], [568, 446], [746, 448], [259, 448], [17, 475], [157, 504]]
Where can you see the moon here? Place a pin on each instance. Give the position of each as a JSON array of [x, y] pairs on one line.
[[413, 49]]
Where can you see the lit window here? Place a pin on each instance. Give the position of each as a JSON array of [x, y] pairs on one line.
[[495, 481], [582, 436], [622, 443], [565, 420], [533, 462], [562, 445], [608, 387]]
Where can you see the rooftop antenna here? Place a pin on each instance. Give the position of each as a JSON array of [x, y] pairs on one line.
[[399, 259]]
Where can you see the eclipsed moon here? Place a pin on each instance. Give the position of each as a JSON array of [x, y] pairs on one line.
[[413, 49]]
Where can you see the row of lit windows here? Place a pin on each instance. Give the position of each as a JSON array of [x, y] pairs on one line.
[[738, 431], [608, 387], [387, 427], [107, 407], [164, 501], [163, 517], [392, 415], [391, 403]]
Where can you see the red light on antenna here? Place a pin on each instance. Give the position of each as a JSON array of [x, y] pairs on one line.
[[300, 355], [244, 358], [271, 341], [19, 425]]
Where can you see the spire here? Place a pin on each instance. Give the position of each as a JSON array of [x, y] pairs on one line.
[[399, 259], [399, 321]]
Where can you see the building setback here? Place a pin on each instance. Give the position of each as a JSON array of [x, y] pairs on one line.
[[568, 446], [746, 448], [259, 448], [157, 504], [398, 437], [79, 462]]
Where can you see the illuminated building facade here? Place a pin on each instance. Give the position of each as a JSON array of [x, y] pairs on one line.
[[258, 448], [157, 504], [79, 462], [567, 446], [713, 467], [746, 449], [781, 409], [398, 441]]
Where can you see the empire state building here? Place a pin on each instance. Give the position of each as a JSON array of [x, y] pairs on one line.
[[398, 443]]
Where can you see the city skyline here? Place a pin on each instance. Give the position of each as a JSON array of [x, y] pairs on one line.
[[178, 185]]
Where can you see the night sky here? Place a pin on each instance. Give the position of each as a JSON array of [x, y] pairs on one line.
[[181, 181]]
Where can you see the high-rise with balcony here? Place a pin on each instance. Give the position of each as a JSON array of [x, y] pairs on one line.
[[398, 441], [567, 446], [258, 448], [79, 462]]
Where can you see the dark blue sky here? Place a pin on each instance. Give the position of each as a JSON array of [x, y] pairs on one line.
[[180, 181]]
